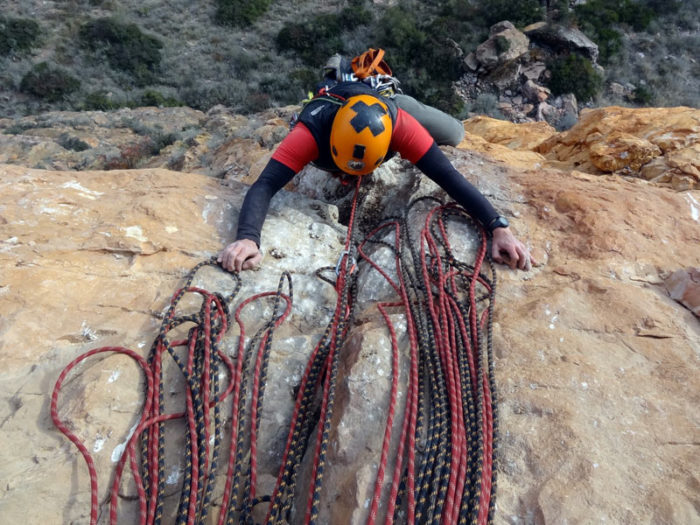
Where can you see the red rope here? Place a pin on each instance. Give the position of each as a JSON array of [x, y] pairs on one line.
[[449, 330], [151, 418], [94, 506], [443, 310], [235, 386], [338, 317]]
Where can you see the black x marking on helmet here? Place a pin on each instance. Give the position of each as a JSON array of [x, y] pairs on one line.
[[368, 117]]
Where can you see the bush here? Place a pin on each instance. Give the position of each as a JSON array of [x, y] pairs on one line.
[[317, 39], [643, 96], [256, 102], [155, 98], [72, 143], [17, 35], [487, 104], [100, 101], [49, 83], [575, 74], [288, 89], [520, 12], [422, 57], [125, 46], [599, 19], [399, 30], [502, 44], [240, 13]]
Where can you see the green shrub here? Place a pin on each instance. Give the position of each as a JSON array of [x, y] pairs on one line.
[[17, 35], [643, 96], [289, 89], [599, 19], [558, 11], [502, 44], [256, 102], [421, 57], [317, 39], [399, 30], [49, 83], [520, 12], [240, 13], [100, 101], [487, 104], [125, 46], [156, 138], [575, 74], [72, 143], [155, 98]]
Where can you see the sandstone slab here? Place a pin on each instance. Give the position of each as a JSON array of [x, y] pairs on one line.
[[596, 365]]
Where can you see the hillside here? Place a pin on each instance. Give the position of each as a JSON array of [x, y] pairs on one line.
[[64, 56]]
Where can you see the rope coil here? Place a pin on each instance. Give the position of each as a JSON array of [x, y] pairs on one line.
[[444, 463]]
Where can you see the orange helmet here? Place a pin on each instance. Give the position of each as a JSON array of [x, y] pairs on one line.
[[361, 134]]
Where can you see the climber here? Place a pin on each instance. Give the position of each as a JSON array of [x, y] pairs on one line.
[[350, 128]]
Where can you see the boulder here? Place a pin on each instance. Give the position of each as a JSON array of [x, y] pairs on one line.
[[534, 92], [505, 43], [569, 105], [533, 70], [514, 136], [546, 113], [560, 38], [622, 151], [471, 62], [659, 144], [504, 77]]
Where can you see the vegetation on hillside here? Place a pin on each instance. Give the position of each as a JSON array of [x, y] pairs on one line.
[[240, 13], [253, 54], [125, 47], [17, 35]]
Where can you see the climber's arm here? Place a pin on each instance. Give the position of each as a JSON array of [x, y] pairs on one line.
[[293, 153], [506, 248], [415, 144]]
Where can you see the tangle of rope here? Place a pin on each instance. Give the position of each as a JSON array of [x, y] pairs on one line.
[[450, 407], [201, 370], [450, 399]]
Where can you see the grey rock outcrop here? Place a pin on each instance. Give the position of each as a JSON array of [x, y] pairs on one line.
[[505, 43], [512, 66], [562, 39]]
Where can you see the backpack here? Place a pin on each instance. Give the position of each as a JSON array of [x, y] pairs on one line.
[[369, 68]]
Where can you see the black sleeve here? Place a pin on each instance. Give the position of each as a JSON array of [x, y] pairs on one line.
[[257, 200], [438, 167]]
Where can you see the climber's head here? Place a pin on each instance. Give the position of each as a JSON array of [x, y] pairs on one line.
[[361, 134]]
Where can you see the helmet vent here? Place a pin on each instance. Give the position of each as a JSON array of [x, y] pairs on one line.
[[358, 151]]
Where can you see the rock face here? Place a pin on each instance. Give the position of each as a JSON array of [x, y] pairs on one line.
[[596, 349], [684, 287], [660, 145]]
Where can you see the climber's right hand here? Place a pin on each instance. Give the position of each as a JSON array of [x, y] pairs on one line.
[[240, 255]]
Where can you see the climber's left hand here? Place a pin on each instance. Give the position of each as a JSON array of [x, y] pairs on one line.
[[506, 249]]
